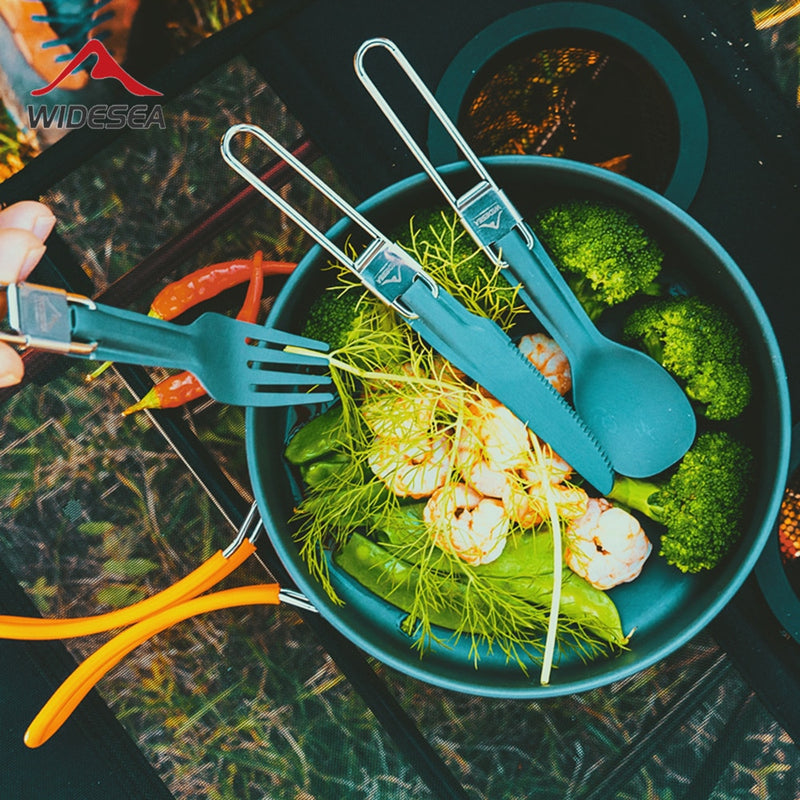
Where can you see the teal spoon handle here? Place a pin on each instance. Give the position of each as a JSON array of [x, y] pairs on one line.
[[548, 295]]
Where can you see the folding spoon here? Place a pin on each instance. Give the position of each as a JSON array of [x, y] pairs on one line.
[[636, 410]]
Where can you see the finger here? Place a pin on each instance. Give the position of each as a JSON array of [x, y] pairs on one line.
[[20, 252], [29, 215], [10, 366]]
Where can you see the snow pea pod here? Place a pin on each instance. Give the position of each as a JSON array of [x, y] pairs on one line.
[[396, 580], [393, 579], [581, 603], [525, 555], [317, 473], [316, 438]]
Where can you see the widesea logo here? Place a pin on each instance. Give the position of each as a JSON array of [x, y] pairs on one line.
[[100, 116]]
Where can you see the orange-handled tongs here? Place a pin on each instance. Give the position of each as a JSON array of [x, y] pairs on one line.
[[146, 618]]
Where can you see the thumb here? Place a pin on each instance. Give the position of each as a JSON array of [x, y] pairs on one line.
[[10, 366], [20, 251]]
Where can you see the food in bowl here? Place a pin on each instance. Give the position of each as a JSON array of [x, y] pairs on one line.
[[666, 606], [430, 493]]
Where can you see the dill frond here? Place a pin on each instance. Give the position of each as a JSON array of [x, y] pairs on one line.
[[444, 249], [395, 390]]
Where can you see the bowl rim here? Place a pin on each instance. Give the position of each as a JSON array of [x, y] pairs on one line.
[[413, 665], [770, 573]]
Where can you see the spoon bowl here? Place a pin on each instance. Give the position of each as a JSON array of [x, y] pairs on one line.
[[637, 411]]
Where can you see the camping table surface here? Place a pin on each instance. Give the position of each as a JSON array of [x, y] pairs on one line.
[[101, 510]]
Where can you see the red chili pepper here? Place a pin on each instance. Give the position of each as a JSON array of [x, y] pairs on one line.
[[170, 393], [203, 284], [252, 301], [208, 282], [177, 390]]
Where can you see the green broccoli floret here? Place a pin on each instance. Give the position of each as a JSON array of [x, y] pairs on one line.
[[701, 504], [699, 344], [333, 315], [722, 388], [605, 254]]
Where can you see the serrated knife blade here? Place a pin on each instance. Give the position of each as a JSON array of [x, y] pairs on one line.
[[481, 349]]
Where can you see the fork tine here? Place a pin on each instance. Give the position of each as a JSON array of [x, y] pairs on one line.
[[271, 377], [269, 398], [275, 336]]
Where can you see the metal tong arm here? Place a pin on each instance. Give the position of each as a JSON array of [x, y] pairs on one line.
[[208, 574], [484, 209], [383, 267], [69, 695]]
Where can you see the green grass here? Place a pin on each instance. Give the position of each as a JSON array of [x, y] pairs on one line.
[[16, 149]]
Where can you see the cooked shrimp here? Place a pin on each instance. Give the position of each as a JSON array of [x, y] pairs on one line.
[[545, 354], [557, 469], [606, 545], [492, 442], [526, 503], [413, 468], [465, 523]]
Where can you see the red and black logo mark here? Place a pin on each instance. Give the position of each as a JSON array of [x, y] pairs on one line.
[[104, 67]]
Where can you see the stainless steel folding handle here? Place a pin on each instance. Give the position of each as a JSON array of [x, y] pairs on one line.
[[383, 267], [484, 209]]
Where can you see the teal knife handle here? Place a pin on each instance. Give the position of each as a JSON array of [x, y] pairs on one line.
[[451, 330], [548, 295], [480, 348], [131, 338]]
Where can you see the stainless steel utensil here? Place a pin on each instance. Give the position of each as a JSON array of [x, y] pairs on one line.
[[474, 344]]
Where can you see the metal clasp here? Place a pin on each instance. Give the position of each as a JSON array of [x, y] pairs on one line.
[[41, 316], [489, 215], [388, 271]]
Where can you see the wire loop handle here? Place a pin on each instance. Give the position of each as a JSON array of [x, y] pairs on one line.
[[484, 209], [383, 267]]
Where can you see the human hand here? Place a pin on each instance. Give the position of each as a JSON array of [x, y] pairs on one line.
[[23, 228]]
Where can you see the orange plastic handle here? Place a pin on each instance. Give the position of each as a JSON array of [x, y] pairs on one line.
[[196, 582], [67, 697]]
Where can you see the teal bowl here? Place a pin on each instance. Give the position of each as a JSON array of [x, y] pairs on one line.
[[666, 607]]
